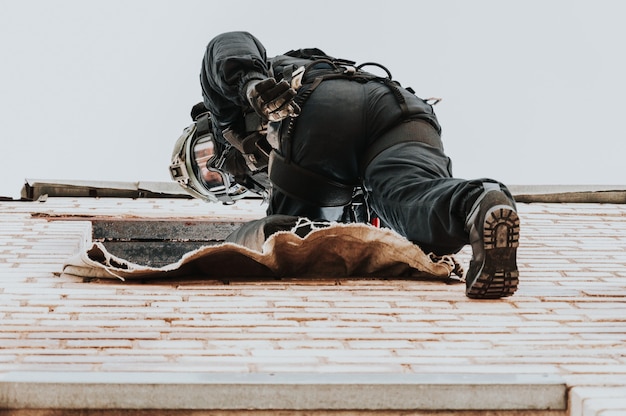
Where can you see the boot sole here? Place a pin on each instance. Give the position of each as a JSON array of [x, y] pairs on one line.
[[498, 277]]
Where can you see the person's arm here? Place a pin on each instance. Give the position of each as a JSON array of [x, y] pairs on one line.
[[231, 61], [235, 73]]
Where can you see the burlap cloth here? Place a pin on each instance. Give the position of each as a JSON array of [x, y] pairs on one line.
[[341, 250]]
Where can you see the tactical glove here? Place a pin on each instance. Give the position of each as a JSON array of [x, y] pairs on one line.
[[271, 100]]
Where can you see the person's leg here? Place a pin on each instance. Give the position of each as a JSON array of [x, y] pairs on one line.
[[411, 188], [493, 227]]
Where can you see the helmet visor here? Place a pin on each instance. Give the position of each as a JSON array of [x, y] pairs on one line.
[[204, 153]]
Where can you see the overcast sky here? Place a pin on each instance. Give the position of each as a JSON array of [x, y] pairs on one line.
[[533, 91]]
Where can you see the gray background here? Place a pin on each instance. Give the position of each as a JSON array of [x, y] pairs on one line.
[[532, 91]]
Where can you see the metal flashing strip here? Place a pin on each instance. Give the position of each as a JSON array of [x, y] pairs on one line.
[[288, 391], [35, 189], [607, 194]]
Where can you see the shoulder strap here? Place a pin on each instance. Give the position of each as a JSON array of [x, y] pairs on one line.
[[203, 125]]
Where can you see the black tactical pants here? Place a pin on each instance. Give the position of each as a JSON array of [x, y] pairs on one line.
[[412, 189], [409, 185]]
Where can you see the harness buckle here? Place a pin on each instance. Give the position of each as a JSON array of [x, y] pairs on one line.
[[433, 100], [296, 78], [349, 70]]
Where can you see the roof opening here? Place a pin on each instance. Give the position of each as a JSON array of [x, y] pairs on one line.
[[156, 243]]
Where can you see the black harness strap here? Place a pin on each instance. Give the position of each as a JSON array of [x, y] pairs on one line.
[[203, 125], [397, 94], [285, 138]]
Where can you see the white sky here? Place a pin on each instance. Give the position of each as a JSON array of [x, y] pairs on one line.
[[533, 91]]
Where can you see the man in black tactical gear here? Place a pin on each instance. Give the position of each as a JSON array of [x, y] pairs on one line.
[[342, 144]]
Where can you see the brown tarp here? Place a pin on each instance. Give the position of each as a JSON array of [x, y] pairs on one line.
[[341, 250]]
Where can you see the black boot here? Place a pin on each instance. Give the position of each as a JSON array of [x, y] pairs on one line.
[[493, 227]]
